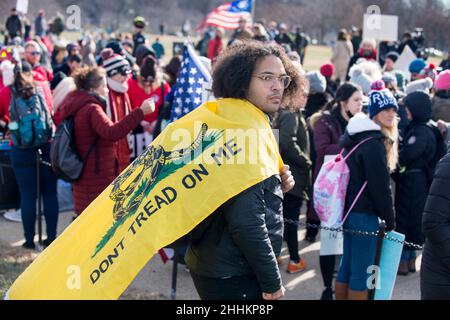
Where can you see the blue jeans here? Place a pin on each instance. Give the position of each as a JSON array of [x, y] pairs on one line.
[[359, 251], [24, 166], [408, 254]]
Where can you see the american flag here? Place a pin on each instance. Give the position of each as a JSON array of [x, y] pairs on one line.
[[190, 84], [228, 14]]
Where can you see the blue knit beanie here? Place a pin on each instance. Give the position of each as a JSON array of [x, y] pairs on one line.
[[381, 100], [417, 65]]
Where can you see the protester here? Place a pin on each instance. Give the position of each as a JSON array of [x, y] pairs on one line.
[[328, 70], [260, 33], [96, 136], [445, 63], [301, 42], [13, 26], [73, 63], [283, 38], [295, 151], [25, 157], [367, 51], [389, 68], [236, 255], [215, 45], [158, 48], [147, 84], [40, 25], [32, 56], [342, 53], [118, 73], [414, 175], [318, 97], [434, 271], [138, 36], [328, 127], [371, 162], [441, 99], [415, 67], [243, 31]]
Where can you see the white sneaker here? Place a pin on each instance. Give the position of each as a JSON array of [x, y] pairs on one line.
[[13, 215]]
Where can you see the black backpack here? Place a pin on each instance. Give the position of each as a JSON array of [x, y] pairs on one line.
[[441, 149], [66, 162]]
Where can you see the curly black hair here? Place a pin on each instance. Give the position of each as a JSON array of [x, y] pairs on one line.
[[234, 68]]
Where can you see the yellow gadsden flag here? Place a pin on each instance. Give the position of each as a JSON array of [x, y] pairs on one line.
[[197, 164]]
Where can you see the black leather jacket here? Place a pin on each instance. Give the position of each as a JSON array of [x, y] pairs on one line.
[[242, 237]]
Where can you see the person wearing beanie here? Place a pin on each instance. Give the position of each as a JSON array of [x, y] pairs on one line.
[[371, 163], [318, 97], [389, 68], [138, 36], [377, 85], [65, 86], [148, 83], [342, 53], [360, 78], [142, 52], [326, 129], [415, 67], [367, 51], [429, 72], [327, 70], [419, 85], [416, 152], [441, 99], [390, 82], [118, 105]]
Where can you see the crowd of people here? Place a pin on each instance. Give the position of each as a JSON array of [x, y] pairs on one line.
[[394, 128]]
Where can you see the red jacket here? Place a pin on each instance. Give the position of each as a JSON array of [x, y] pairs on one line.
[[91, 122], [137, 96], [214, 48], [41, 73]]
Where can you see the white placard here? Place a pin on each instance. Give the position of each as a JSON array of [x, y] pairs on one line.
[[331, 243], [405, 59], [22, 6], [380, 27]]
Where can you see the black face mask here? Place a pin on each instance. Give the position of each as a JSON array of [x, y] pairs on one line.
[[349, 114]]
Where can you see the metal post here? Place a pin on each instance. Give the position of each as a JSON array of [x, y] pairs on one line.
[[38, 192], [173, 292], [381, 234]]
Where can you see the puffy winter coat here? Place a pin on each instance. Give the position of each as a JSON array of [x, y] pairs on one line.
[[435, 269], [91, 123], [242, 237]]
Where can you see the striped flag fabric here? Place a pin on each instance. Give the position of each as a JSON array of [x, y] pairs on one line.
[[228, 14], [190, 83]]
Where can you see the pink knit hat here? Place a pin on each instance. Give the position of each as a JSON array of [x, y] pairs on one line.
[[443, 81]]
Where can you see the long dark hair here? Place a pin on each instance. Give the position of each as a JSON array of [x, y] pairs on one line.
[[23, 85], [344, 93]]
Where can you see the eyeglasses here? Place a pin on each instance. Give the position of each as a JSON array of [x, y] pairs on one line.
[[270, 79]]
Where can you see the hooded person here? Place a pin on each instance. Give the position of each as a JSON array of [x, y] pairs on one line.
[[367, 51], [416, 152], [118, 72], [423, 85], [415, 67], [318, 97], [373, 159], [441, 99]]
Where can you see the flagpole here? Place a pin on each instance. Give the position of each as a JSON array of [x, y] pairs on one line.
[[253, 10]]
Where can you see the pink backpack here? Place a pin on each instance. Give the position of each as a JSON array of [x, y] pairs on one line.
[[330, 190]]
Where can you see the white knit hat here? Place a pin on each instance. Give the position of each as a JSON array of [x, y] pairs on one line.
[[7, 70], [423, 85], [65, 86]]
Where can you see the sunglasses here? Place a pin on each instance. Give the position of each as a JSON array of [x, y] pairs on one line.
[[34, 53]]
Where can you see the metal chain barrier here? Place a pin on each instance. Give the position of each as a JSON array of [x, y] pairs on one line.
[[353, 232]]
